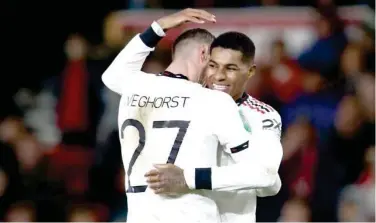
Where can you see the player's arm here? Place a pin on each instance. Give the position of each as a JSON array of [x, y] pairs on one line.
[[131, 58], [270, 191], [257, 156], [271, 122]]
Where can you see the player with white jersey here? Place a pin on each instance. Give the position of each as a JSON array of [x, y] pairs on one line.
[[167, 119], [230, 67]]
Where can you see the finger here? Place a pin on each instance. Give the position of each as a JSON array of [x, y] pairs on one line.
[[160, 191], [160, 166], [202, 15], [206, 15], [201, 12], [195, 20], [153, 179], [151, 173], [155, 186]]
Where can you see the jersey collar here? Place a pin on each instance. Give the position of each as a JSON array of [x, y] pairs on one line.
[[172, 75], [242, 99]]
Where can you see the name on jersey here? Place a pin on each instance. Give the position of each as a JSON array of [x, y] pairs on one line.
[[142, 101]]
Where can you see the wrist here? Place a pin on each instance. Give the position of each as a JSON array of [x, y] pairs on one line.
[[152, 35], [203, 178], [189, 175], [158, 29], [162, 24], [198, 178]]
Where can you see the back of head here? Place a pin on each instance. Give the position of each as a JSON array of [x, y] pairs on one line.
[[236, 41], [189, 38], [190, 53]]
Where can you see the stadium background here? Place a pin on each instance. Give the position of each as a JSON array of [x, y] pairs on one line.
[[59, 149]]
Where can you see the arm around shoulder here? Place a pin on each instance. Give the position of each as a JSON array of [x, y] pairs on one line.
[[249, 172]]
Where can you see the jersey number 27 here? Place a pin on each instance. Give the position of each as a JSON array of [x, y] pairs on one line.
[[182, 125]]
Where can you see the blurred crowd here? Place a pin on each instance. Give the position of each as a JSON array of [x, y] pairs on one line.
[[60, 153]]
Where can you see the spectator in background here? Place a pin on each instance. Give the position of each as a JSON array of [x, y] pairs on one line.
[[324, 55], [351, 66], [357, 201], [73, 120], [11, 130], [10, 179], [78, 111], [40, 117], [297, 173], [317, 104], [295, 210], [29, 154], [87, 212], [299, 159], [21, 212], [72, 107], [283, 77], [24, 164], [341, 158]]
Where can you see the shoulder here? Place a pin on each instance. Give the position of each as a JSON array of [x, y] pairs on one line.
[[220, 98], [265, 115], [220, 105], [256, 106], [139, 78]]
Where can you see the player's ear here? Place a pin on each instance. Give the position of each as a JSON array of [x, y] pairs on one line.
[[204, 53], [252, 70]]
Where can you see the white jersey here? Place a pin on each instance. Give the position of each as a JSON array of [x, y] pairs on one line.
[[171, 120], [163, 119], [261, 119]]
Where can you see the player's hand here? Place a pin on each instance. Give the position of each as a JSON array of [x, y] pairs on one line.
[[166, 179], [184, 16]]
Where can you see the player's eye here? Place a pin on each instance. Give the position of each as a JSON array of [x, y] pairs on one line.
[[232, 69], [212, 65]]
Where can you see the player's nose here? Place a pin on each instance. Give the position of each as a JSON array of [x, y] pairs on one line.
[[220, 76]]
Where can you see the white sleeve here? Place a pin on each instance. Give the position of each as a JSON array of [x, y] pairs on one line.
[[128, 62], [270, 191], [271, 123], [257, 157]]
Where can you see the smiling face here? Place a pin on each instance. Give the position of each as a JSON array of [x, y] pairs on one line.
[[227, 71]]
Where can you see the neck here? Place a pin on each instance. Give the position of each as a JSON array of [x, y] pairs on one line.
[[184, 67], [238, 96]]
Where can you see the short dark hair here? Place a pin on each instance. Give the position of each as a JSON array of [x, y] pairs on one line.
[[197, 34], [236, 41]]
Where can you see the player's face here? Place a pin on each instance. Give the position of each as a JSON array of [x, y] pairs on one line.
[[228, 72]]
